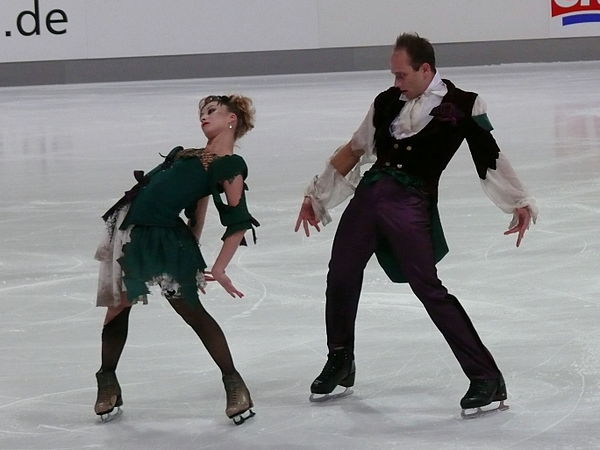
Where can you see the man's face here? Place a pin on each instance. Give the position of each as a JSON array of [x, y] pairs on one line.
[[411, 82]]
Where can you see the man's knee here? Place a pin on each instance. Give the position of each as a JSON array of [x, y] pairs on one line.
[[345, 265], [430, 290]]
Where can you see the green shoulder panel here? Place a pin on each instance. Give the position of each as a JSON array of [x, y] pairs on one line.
[[483, 121]]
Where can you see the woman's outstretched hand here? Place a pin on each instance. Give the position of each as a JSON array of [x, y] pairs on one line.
[[221, 277]]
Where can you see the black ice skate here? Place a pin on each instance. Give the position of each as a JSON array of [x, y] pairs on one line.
[[339, 370], [481, 393], [109, 396], [239, 403]]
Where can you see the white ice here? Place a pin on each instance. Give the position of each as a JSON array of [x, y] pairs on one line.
[[67, 152]]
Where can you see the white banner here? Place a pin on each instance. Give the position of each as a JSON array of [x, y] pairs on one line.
[[42, 30], [34, 30]]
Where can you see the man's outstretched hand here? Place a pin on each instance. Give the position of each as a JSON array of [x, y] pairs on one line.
[[524, 218], [306, 217]]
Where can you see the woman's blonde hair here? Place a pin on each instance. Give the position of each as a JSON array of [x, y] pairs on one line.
[[239, 105]]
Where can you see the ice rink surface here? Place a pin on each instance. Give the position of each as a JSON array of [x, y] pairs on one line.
[[67, 152]]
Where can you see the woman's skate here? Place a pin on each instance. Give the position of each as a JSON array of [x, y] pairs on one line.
[[239, 403], [109, 396]]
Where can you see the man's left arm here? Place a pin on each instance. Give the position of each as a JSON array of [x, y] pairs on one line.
[[498, 178]]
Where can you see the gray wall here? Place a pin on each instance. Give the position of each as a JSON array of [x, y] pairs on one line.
[[289, 61]]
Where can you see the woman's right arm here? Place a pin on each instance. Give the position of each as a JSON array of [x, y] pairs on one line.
[[329, 189], [199, 217]]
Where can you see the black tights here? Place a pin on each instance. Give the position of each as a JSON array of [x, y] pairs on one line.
[[209, 332], [114, 335]]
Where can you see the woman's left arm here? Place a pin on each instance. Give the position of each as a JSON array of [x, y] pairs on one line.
[[233, 190]]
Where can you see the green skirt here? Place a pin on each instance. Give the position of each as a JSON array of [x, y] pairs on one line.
[[168, 256]]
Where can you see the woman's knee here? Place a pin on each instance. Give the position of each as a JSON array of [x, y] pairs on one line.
[[188, 312], [113, 312]]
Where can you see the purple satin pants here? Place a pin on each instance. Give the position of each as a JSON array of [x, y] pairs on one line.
[[388, 210]]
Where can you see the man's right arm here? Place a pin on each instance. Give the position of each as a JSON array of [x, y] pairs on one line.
[[330, 188], [345, 159], [327, 190]]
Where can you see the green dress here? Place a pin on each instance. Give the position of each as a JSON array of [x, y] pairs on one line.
[[162, 248]]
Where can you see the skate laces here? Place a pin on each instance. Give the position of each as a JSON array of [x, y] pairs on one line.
[[480, 387], [234, 388], [330, 368], [334, 363], [234, 392], [107, 380]]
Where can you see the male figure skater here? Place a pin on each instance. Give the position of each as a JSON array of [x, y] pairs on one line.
[[411, 132]]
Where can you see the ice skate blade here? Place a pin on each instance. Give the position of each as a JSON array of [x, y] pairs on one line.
[[319, 398], [473, 413], [109, 416], [241, 418]]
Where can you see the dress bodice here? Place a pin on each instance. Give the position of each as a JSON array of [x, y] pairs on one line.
[[169, 191]]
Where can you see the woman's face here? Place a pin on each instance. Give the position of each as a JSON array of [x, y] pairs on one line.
[[215, 118]]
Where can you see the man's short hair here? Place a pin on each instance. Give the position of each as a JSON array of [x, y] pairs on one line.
[[419, 49]]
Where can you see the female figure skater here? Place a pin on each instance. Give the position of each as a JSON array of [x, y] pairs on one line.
[[147, 242]]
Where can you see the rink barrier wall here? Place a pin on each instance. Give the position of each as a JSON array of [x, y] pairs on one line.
[[343, 59]]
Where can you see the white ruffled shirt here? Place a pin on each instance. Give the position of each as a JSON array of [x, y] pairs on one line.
[[501, 185], [414, 115]]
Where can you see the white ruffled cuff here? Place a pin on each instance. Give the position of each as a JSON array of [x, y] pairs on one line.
[[326, 191], [506, 191]]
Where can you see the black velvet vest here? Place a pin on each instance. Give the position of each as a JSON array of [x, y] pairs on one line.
[[426, 154]]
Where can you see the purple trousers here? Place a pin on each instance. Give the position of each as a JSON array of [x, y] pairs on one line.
[[388, 210]]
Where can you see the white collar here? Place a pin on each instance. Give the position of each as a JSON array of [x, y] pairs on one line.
[[436, 87]]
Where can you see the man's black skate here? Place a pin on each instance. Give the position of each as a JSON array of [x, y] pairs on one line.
[[109, 395], [482, 393], [339, 370]]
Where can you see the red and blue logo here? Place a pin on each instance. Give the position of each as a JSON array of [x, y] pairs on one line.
[[576, 11]]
